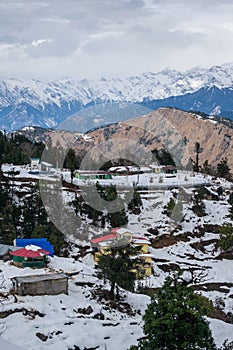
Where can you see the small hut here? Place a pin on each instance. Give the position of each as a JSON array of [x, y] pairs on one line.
[[30, 256], [169, 169], [50, 284], [93, 174]]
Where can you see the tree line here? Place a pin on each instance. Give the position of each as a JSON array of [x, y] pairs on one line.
[[22, 214], [111, 211], [17, 149]]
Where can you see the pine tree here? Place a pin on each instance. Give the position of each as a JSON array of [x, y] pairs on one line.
[[3, 196], [207, 168], [77, 204], [175, 320], [163, 157], [135, 204], [32, 209], [71, 162], [198, 205], [118, 218], [100, 205], [116, 209], [9, 223], [198, 149], [223, 169], [231, 212], [118, 264], [170, 206], [226, 237], [230, 200]]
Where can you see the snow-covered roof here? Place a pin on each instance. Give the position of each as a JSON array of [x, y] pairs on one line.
[[4, 249], [211, 190], [119, 169], [105, 243], [47, 164], [33, 247], [30, 252], [105, 240], [133, 168], [38, 278], [155, 166], [141, 241], [145, 168], [121, 231], [92, 172]]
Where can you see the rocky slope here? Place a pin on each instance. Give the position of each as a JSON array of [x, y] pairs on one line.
[[171, 128]]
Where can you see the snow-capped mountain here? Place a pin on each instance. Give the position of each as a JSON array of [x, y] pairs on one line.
[[49, 104], [210, 100]]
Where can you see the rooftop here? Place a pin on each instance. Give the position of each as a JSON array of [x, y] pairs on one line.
[[141, 241], [103, 238], [169, 167], [4, 249], [39, 278], [30, 251], [120, 231], [93, 172]]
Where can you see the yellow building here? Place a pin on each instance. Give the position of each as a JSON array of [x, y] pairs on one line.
[[101, 245]]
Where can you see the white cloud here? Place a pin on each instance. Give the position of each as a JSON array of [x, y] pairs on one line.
[[12, 51], [96, 37], [36, 43], [112, 38]]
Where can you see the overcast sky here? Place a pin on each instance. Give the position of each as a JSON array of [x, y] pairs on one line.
[[50, 39]]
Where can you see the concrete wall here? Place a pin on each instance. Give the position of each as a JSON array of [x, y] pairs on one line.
[[49, 287]]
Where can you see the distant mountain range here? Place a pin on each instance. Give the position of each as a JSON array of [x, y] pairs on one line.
[[93, 103], [210, 100]]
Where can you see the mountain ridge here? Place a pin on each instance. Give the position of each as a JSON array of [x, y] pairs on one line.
[[210, 100], [49, 104], [169, 128]]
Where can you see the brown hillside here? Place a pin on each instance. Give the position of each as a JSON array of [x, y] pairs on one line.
[[171, 128]]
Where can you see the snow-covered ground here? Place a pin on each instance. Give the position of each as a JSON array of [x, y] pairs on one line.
[[65, 327], [62, 323], [149, 180]]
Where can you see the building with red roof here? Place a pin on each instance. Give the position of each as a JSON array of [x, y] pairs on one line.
[[30, 256], [101, 246]]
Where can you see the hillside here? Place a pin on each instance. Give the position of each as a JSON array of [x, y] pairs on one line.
[[85, 318], [171, 128]]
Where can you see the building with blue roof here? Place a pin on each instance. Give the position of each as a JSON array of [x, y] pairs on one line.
[[40, 242]]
